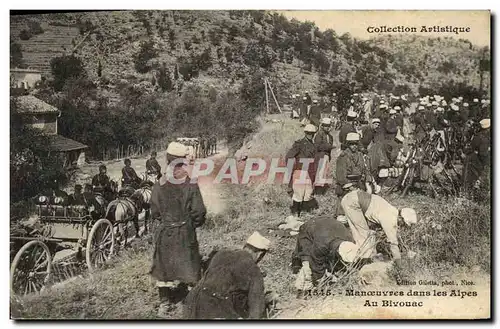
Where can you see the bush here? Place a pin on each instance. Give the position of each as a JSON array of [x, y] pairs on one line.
[[25, 35], [65, 68], [16, 56], [146, 53], [35, 27]]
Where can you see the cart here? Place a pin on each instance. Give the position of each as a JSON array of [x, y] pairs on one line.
[[58, 225]]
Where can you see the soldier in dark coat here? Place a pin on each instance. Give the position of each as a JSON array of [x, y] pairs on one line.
[[77, 199], [302, 190], [315, 113], [478, 156], [153, 167], [232, 286], [370, 133], [101, 182], [318, 250], [324, 146], [129, 176], [347, 127], [420, 125], [176, 257], [350, 168]]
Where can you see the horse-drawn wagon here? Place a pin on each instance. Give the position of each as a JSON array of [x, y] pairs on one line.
[[55, 227]]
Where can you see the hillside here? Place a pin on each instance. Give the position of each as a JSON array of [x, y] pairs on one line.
[[216, 46], [459, 248]]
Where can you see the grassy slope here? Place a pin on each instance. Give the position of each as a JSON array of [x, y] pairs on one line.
[[125, 291]]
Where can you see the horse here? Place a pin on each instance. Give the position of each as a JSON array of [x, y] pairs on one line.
[[143, 193], [124, 209]]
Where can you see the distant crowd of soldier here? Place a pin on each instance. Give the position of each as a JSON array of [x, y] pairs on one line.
[[379, 140]]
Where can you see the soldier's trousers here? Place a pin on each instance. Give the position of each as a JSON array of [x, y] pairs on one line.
[[302, 186]]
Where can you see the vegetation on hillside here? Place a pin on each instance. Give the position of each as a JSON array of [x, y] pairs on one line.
[[130, 76]]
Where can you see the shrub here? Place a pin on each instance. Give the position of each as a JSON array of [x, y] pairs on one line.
[[16, 56], [147, 51], [64, 68], [25, 35], [35, 27]]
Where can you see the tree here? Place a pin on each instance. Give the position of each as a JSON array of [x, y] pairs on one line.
[[146, 52], [64, 68], [16, 56], [99, 69], [25, 35], [164, 79], [32, 167]]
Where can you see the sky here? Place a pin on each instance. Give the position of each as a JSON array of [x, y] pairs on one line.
[[356, 22]]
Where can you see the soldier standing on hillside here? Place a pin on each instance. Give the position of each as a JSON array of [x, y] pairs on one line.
[[350, 169], [347, 127], [315, 113], [478, 156], [303, 110], [301, 183], [324, 146], [176, 256]]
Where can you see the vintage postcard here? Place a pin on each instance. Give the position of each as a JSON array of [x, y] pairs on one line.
[[250, 164]]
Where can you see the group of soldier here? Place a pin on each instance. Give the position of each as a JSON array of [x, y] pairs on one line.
[[373, 137], [229, 283]]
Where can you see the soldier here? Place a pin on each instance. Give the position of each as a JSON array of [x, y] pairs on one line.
[[308, 98], [370, 133], [321, 244], [324, 146], [301, 181], [361, 207], [129, 176], [315, 113], [77, 198], [398, 117], [101, 180], [233, 285], [478, 156], [420, 125], [152, 166], [391, 126], [303, 110], [464, 112], [176, 257], [213, 142], [350, 168], [90, 201], [347, 127]]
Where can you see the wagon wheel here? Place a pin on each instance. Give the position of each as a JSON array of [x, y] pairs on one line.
[[31, 268], [100, 244]]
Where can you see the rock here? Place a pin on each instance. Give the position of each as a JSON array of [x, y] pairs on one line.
[[267, 201], [411, 254], [375, 274]]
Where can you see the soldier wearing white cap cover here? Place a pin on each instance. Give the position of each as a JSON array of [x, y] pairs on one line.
[[232, 286], [350, 168], [301, 183], [321, 243], [361, 207], [179, 204]]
